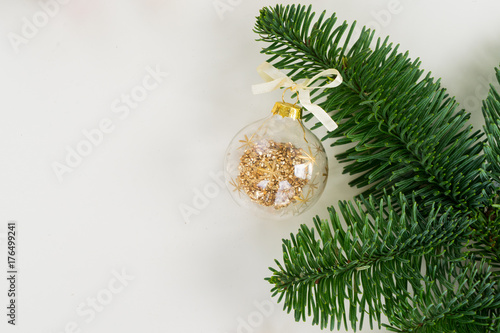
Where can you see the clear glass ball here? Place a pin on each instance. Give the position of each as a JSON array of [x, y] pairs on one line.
[[276, 167]]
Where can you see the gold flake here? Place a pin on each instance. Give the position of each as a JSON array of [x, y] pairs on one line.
[[267, 173]]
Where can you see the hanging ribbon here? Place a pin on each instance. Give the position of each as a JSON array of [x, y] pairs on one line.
[[276, 79]]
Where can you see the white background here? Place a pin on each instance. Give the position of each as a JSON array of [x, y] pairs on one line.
[[119, 209]]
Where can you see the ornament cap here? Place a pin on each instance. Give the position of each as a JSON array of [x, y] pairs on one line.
[[287, 110]]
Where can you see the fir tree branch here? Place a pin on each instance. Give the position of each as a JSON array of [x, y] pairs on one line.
[[379, 251], [410, 141], [487, 228], [461, 299], [491, 113], [408, 133]]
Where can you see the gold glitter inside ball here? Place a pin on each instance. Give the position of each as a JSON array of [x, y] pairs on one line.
[[274, 173]]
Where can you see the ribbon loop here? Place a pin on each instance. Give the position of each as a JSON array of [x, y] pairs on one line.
[[276, 79]]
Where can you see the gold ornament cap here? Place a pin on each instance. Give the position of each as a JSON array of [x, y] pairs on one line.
[[287, 110]]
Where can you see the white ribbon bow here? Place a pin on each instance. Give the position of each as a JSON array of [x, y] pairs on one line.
[[276, 79]]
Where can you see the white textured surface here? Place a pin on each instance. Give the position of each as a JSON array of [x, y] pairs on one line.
[[119, 208]]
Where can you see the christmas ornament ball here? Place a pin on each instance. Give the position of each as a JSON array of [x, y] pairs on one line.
[[276, 167]]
